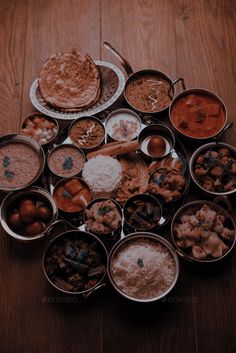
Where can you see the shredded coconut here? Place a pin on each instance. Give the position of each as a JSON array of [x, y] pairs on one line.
[[102, 173]]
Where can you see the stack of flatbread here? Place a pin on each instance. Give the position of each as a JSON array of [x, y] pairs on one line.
[[70, 81]]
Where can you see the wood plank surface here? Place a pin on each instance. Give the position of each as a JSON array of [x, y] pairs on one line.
[[191, 39]]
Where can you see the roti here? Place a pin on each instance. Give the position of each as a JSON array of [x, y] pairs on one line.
[[70, 81], [135, 176]]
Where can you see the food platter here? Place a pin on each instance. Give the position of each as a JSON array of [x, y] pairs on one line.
[[49, 180], [112, 86], [115, 177]]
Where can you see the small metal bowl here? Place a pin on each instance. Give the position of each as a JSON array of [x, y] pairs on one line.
[[210, 146], [159, 197], [31, 117], [11, 200], [150, 237], [201, 91], [24, 140], [190, 209], [78, 235], [68, 167], [76, 215], [105, 235], [131, 228], [121, 115], [156, 130], [77, 121]]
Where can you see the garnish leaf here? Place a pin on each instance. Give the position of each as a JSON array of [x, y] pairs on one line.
[[6, 161], [140, 262], [68, 164], [103, 210], [8, 174]]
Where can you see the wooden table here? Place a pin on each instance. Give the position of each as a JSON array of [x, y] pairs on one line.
[[193, 39]]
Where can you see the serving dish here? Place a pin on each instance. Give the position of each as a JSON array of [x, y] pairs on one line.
[[133, 257], [112, 86], [213, 168], [10, 205], [176, 156], [203, 231]]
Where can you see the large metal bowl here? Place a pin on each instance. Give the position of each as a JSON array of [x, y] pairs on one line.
[[208, 146], [135, 236], [194, 206], [20, 138], [12, 198]]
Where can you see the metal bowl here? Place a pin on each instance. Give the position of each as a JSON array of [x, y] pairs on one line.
[[208, 146], [32, 117], [156, 130], [189, 209], [13, 197], [19, 138], [76, 234], [205, 92], [87, 118], [142, 235]]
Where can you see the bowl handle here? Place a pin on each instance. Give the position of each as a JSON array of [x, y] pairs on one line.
[[224, 202], [220, 134], [126, 65], [66, 226], [86, 295], [174, 83]]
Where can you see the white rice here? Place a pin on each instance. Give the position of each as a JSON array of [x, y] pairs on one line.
[[102, 174]]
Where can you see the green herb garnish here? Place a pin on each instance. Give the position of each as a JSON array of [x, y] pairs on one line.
[[201, 117], [68, 164], [159, 180], [6, 161], [103, 210], [8, 174], [140, 262], [66, 194]]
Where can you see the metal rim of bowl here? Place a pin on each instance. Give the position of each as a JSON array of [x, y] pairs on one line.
[[98, 200], [184, 190], [154, 72], [20, 138], [140, 196], [31, 117], [147, 235], [63, 181], [194, 156], [62, 146], [13, 196], [163, 127], [128, 111], [201, 203], [63, 235], [205, 92], [90, 117]]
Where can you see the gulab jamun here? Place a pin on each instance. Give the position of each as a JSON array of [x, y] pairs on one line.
[[28, 212], [156, 146], [34, 228], [44, 213]]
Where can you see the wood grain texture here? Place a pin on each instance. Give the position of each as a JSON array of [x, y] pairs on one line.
[[193, 39]]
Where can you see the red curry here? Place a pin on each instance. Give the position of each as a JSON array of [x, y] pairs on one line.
[[198, 115]]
